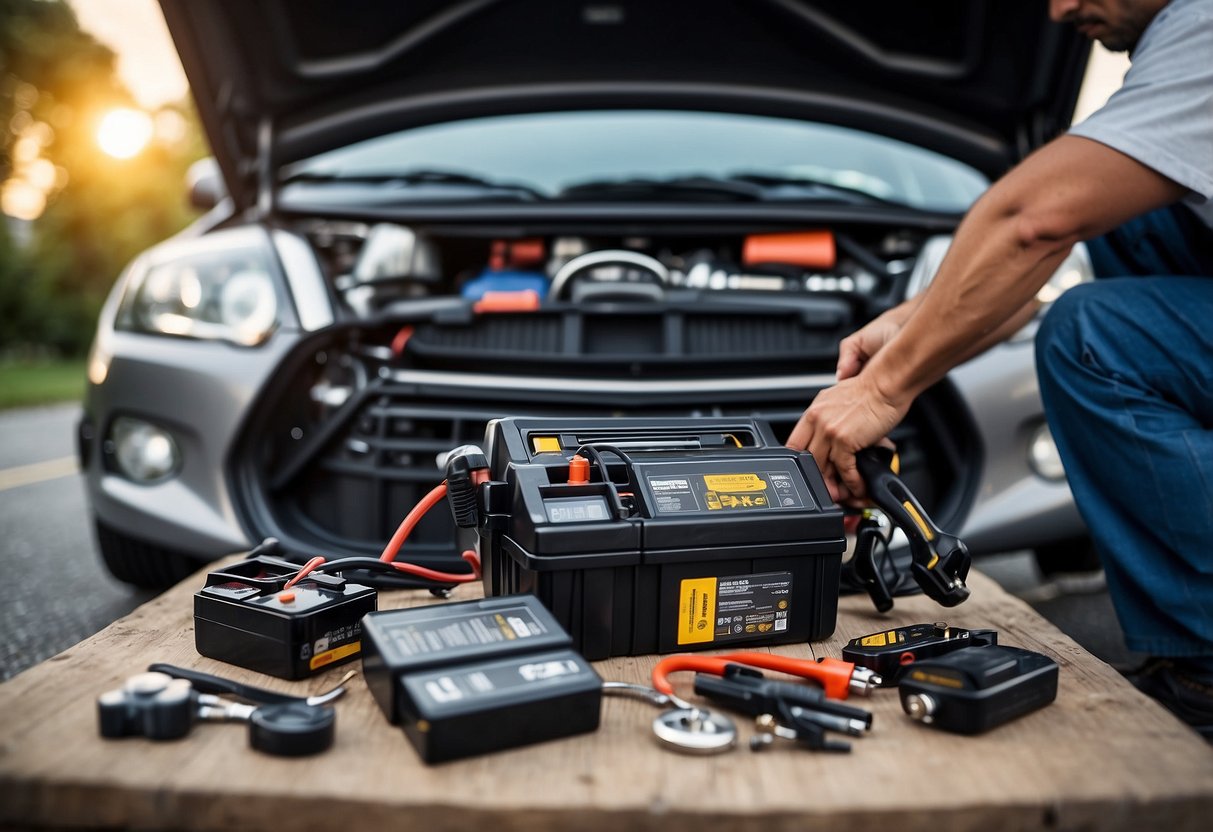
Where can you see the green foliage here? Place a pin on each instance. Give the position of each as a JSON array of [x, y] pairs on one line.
[[58, 81], [40, 382]]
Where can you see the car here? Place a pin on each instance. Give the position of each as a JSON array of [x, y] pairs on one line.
[[424, 216]]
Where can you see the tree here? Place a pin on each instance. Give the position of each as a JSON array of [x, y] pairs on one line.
[[56, 82]]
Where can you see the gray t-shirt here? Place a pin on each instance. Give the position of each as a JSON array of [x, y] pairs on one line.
[[1163, 115]]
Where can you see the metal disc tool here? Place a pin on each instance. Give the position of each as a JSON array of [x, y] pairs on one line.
[[684, 727]]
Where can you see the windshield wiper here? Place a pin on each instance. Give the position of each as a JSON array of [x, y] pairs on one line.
[[822, 188], [412, 178], [689, 188]]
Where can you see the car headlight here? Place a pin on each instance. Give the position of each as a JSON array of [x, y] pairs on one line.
[[224, 296], [1075, 269]]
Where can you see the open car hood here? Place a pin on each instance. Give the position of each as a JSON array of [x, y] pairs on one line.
[[275, 81]]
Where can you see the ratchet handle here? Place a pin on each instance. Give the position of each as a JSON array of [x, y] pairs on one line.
[[206, 683], [940, 561]]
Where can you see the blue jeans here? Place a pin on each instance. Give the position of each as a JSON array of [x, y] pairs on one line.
[[1126, 375]]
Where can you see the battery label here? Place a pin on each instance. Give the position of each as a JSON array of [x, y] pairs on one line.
[[497, 678], [734, 482], [336, 654], [723, 491], [470, 630], [734, 608]]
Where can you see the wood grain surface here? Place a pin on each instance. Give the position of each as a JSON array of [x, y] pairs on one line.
[[1101, 757]]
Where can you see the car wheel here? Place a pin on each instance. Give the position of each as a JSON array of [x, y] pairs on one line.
[[1073, 555], [140, 563]]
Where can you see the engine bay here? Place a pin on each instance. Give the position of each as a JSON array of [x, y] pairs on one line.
[[614, 305], [379, 266]]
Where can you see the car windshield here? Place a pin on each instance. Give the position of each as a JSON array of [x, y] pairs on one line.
[[640, 155]]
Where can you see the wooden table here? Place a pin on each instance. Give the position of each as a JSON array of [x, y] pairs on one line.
[[1101, 757]]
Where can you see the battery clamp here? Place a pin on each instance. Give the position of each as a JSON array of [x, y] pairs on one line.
[[939, 561]]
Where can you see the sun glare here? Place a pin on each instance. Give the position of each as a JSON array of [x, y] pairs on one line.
[[124, 133]]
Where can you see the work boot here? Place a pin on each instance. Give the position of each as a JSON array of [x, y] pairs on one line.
[[1186, 694]]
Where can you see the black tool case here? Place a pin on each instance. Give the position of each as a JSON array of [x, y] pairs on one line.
[[707, 533]]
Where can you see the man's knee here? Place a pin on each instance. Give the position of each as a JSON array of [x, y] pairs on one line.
[[1068, 328]]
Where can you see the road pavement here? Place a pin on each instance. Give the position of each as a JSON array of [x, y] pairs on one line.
[[54, 592]]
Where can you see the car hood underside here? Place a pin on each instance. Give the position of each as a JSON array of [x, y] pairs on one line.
[[982, 80]]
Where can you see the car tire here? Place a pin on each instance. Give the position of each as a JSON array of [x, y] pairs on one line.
[[139, 563], [1074, 555]]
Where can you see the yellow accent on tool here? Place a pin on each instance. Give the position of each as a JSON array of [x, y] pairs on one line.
[[918, 521]]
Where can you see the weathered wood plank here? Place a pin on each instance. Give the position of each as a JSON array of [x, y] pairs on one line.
[[1102, 756]]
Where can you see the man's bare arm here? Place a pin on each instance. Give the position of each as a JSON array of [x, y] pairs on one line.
[[1008, 246]]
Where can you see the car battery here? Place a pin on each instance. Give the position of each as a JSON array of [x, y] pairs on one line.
[[478, 676], [683, 534], [244, 615]]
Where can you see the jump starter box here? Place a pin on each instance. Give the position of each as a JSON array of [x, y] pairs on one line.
[[679, 534], [477, 676]]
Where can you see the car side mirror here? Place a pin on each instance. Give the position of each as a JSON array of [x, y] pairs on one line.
[[205, 184]]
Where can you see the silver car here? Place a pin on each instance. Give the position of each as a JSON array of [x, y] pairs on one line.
[[427, 215]]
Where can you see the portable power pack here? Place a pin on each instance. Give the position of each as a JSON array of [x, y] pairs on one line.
[[477, 676], [680, 534]]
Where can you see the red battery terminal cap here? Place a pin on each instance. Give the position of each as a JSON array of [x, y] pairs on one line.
[[579, 470], [286, 597]]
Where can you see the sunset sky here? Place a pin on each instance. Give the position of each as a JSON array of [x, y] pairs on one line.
[[135, 30]]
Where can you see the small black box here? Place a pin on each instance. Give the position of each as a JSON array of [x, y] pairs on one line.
[[975, 689], [243, 616], [478, 676]]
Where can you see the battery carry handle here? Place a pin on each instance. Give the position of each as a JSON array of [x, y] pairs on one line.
[[940, 560]]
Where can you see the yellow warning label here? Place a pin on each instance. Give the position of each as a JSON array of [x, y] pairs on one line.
[[721, 501], [734, 482], [696, 610], [878, 640], [330, 656], [546, 444]]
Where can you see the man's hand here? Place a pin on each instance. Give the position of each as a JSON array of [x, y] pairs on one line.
[[857, 349], [843, 419]]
